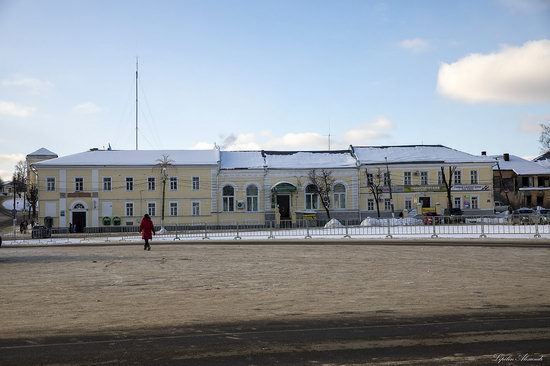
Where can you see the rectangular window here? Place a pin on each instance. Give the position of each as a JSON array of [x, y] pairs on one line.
[[370, 204], [386, 179], [196, 209], [151, 183], [439, 177], [129, 183], [252, 203], [79, 184], [473, 177], [129, 209], [152, 208], [475, 201], [50, 184], [457, 202], [173, 183], [107, 184], [408, 204], [387, 204], [458, 177], [173, 209], [407, 178], [370, 179], [424, 178], [196, 183]]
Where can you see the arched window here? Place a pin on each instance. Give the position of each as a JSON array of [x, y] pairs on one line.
[[228, 196], [79, 206], [252, 198], [312, 198], [339, 196]]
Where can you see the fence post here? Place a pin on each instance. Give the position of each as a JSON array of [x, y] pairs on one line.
[[347, 235], [307, 231], [537, 234], [205, 232], [237, 236], [434, 234], [482, 229], [389, 236], [271, 224], [177, 237], [122, 234]]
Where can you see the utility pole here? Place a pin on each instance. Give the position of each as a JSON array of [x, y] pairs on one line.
[[136, 103], [14, 211], [389, 183]]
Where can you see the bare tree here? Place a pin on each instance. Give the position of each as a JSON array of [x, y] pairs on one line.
[[163, 164], [323, 185], [544, 138], [448, 182], [374, 182], [32, 197]]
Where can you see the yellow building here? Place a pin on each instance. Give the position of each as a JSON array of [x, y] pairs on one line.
[[417, 176]]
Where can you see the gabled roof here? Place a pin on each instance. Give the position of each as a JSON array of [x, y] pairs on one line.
[[242, 160], [520, 166], [423, 154], [134, 158], [42, 152], [309, 159]]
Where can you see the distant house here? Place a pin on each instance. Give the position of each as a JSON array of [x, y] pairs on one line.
[[521, 183], [6, 188]]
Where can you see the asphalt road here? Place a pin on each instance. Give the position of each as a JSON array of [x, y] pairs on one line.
[[499, 339]]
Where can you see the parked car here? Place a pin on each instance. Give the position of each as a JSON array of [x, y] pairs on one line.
[[39, 232], [524, 216], [543, 215], [500, 207]]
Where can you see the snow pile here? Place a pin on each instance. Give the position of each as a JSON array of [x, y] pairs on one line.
[[333, 223], [371, 221]]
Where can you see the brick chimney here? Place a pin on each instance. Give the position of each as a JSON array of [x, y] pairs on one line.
[[484, 153], [506, 157]]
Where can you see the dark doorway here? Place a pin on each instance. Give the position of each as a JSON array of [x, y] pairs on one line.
[[79, 221], [425, 202], [283, 201]]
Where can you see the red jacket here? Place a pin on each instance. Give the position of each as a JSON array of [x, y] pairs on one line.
[[146, 228]]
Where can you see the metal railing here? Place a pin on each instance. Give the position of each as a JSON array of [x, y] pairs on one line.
[[417, 227]]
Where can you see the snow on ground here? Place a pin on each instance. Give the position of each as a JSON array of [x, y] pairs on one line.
[[8, 204]]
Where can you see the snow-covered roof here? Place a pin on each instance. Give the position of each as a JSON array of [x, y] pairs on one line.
[[134, 158], [309, 159], [423, 154], [42, 152], [520, 166], [242, 160]]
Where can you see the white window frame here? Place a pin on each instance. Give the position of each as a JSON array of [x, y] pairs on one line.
[[174, 183], [129, 209], [173, 208], [109, 181], [386, 178], [476, 200], [457, 177], [152, 208], [339, 197], [387, 204], [457, 200], [439, 177], [50, 184], [196, 183], [78, 181], [370, 179], [228, 201], [408, 204], [473, 177], [370, 204], [424, 178], [151, 184], [311, 199], [195, 208], [252, 200], [407, 178], [129, 183]]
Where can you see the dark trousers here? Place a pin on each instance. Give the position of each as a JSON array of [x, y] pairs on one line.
[[147, 245]]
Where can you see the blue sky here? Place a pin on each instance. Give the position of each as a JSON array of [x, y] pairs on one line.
[[471, 75]]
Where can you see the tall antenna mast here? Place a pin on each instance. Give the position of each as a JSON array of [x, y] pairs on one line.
[[136, 103]]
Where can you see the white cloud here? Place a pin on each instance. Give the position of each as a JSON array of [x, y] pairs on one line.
[[87, 108], [11, 109], [7, 165], [531, 124], [35, 86], [364, 134], [514, 75], [415, 44]]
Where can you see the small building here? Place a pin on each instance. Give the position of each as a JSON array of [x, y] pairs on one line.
[[521, 183]]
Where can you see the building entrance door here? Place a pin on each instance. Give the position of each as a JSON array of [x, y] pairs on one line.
[[283, 202], [79, 221]]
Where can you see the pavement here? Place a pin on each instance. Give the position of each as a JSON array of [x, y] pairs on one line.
[[245, 304]]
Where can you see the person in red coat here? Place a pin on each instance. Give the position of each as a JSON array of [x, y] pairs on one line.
[[147, 230]]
